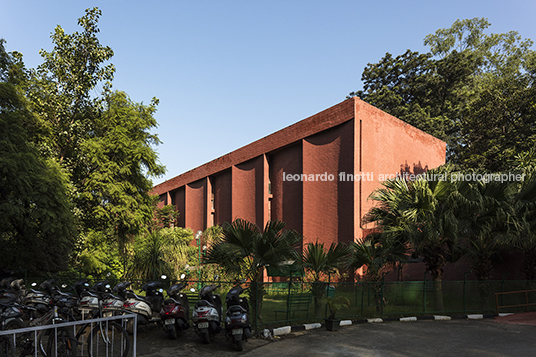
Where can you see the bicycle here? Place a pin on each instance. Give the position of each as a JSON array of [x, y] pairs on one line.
[[106, 338], [55, 341], [7, 348]]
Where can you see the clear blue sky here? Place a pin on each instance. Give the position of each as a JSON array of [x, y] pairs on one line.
[[230, 72]]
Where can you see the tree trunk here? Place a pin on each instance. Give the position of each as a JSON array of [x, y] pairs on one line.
[[318, 290], [256, 294], [437, 276], [484, 269]]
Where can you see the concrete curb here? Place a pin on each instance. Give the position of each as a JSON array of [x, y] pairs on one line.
[[285, 330]]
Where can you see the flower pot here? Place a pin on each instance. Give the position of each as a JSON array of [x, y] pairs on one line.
[[332, 324]]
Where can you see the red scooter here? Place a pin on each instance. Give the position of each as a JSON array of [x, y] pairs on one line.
[[175, 311]]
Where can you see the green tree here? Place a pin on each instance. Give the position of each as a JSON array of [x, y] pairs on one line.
[[473, 90], [166, 217], [36, 224], [166, 251], [484, 212], [523, 228], [422, 212], [377, 252], [420, 90], [61, 90], [116, 188], [100, 138], [99, 255], [177, 250], [245, 250], [320, 262]]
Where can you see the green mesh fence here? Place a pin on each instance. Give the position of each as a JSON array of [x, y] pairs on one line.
[[370, 299]]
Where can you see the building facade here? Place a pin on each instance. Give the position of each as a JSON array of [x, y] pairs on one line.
[[315, 175]]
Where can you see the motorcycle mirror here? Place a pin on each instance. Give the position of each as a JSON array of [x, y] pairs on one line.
[[163, 277], [183, 276], [192, 290]]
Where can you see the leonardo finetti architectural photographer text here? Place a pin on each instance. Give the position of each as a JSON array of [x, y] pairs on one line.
[[369, 176]]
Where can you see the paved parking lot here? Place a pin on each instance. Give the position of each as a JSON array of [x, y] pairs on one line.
[[421, 338]]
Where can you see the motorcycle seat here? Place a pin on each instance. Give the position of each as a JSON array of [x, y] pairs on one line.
[[200, 303], [236, 308]]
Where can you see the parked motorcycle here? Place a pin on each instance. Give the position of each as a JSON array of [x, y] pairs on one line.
[[175, 310], [12, 289], [112, 304], [40, 299], [237, 323], [147, 307], [207, 313], [11, 313]]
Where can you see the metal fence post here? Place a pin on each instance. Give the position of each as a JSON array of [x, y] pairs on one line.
[[362, 297], [381, 298], [424, 295], [465, 293]]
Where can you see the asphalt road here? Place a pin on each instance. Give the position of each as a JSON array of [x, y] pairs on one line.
[[421, 338]]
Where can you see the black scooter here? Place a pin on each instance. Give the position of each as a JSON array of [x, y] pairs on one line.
[[237, 323]]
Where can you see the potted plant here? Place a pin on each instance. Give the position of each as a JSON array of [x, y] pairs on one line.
[[334, 304]]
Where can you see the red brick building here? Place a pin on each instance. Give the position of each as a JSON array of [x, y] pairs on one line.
[[315, 175]]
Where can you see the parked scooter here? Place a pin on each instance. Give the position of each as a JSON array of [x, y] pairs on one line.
[[207, 313], [147, 307], [175, 310], [40, 299], [11, 312], [237, 323]]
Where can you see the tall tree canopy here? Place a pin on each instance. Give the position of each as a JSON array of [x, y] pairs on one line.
[[36, 224], [473, 90], [96, 143]]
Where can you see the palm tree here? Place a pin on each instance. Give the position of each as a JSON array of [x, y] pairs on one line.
[[421, 212], [318, 261], [244, 250], [523, 228], [484, 211], [149, 259], [376, 252]]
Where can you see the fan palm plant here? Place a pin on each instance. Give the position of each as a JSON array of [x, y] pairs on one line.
[[319, 261], [484, 213], [523, 228], [422, 213], [245, 250], [376, 252]]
